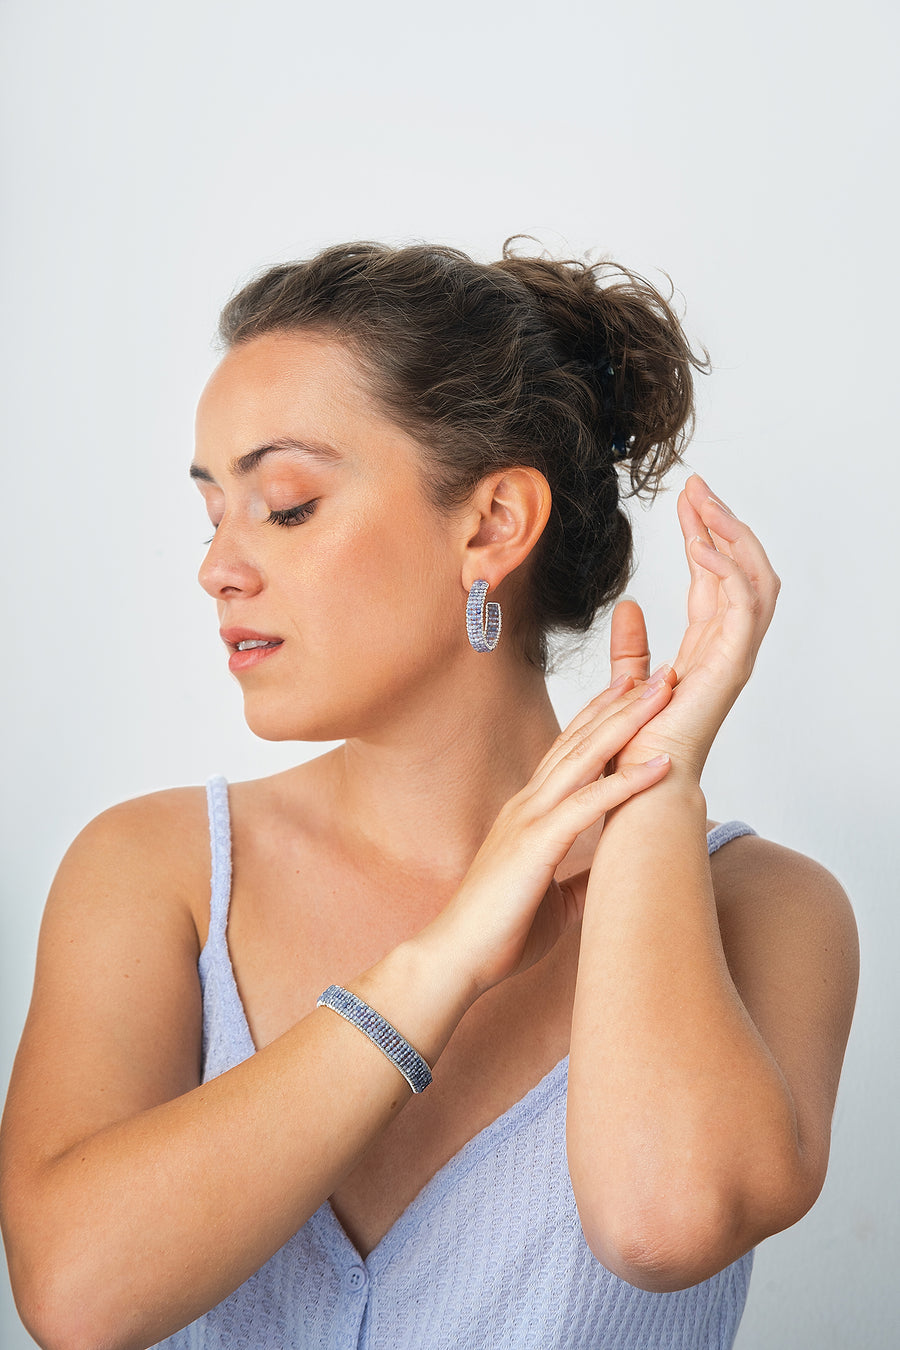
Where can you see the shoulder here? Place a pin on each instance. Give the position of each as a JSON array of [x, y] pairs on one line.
[[786, 919], [755, 875], [756, 870], [116, 998], [151, 851], [163, 812], [168, 827]]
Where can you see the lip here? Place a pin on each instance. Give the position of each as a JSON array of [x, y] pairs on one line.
[[243, 660]]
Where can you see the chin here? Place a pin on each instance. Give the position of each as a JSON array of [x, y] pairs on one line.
[[289, 727], [296, 719], [334, 707]]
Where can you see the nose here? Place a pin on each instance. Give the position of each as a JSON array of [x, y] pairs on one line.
[[227, 570]]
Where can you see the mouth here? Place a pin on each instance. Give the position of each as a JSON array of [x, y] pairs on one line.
[[253, 643], [250, 652], [246, 640], [248, 648]]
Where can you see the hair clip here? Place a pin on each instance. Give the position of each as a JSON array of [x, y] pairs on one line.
[[604, 367]]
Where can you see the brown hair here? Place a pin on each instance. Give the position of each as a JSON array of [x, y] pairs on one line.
[[571, 368]]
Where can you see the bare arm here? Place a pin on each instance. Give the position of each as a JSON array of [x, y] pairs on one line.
[[133, 1198], [708, 1031], [704, 1061]]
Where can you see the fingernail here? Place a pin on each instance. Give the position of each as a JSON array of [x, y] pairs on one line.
[[652, 689], [652, 763], [621, 680], [659, 674], [718, 501], [632, 598]]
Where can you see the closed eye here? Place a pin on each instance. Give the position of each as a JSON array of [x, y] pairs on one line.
[[292, 515]]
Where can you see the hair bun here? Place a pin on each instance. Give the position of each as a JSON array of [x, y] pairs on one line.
[[622, 336]]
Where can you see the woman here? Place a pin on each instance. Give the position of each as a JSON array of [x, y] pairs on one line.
[[635, 1016]]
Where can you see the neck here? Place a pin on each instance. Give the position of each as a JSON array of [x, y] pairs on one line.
[[421, 792]]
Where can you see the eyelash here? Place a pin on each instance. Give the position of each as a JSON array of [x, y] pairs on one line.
[[294, 515]]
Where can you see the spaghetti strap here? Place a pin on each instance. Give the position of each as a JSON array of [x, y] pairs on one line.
[[506, 1191], [220, 849], [724, 833], [226, 1033]]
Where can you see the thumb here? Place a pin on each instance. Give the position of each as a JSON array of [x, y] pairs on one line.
[[629, 650]]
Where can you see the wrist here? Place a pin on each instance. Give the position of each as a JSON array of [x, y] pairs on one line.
[[445, 951], [417, 989], [679, 791]]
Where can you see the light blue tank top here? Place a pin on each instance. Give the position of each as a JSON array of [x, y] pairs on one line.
[[489, 1256]]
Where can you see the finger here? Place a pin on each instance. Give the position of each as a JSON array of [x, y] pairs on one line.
[[587, 804], [603, 705], [614, 693], [712, 512], [582, 757], [629, 651], [741, 622], [703, 596], [731, 535]]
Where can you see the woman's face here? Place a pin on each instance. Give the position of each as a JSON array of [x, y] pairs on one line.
[[331, 550]]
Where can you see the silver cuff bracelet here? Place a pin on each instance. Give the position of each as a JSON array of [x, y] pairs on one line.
[[380, 1032]]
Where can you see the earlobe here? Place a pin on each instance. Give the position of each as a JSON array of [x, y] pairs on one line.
[[510, 510]]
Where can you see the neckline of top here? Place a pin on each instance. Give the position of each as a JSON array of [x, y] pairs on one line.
[[325, 1224]]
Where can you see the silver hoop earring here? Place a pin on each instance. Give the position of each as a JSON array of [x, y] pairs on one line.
[[484, 633]]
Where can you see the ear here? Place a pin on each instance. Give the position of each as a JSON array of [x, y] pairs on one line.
[[503, 522]]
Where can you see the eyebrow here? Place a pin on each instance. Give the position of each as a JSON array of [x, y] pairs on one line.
[[245, 464]]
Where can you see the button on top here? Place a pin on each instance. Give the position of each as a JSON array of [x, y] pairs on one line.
[[355, 1278]]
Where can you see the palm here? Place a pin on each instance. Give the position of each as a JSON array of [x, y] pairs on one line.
[[730, 604], [561, 908]]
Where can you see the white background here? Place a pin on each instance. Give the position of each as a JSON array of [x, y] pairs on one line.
[[155, 156]]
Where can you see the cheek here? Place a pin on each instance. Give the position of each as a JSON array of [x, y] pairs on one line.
[[391, 591], [372, 615]]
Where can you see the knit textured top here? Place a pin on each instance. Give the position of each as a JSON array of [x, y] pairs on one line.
[[489, 1256]]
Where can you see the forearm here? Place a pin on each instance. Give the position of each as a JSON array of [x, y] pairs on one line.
[[681, 1130], [142, 1227]]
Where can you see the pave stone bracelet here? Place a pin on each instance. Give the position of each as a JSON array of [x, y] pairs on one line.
[[380, 1032]]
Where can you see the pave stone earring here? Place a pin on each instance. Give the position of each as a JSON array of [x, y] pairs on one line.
[[484, 633]]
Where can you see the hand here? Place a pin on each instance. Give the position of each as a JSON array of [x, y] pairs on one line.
[[509, 910], [731, 600]]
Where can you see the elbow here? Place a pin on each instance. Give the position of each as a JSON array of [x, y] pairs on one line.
[[54, 1319], [665, 1244], [63, 1308], [58, 1284], [665, 1248], [663, 1253], [50, 1326]]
